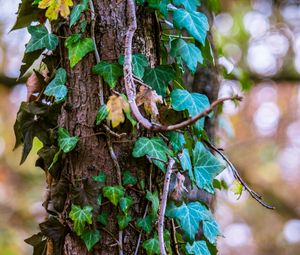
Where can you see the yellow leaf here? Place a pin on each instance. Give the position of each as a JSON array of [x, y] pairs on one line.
[[55, 7], [149, 99], [115, 107]]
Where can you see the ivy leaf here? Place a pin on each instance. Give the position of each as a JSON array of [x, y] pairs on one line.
[[126, 203], [145, 223], [66, 142], [123, 220], [57, 87], [110, 72], [113, 193], [152, 246], [77, 11], [195, 23], [197, 248], [186, 164], [153, 198], [161, 5], [55, 7], [159, 77], [237, 188], [115, 107], [101, 114], [139, 62], [206, 167], [129, 179], [101, 177], [188, 52], [211, 230], [27, 13], [194, 103], [28, 60], [80, 217], [177, 140], [78, 48], [103, 218], [155, 148], [189, 216], [39, 243], [90, 238], [40, 39], [189, 5]]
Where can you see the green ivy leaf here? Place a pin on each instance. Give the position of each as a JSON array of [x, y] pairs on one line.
[[40, 39], [101, 114], [186, 164], [77, 11], [78, 48], [189, 5], [123, 220], [28, 60], [161, 5], [152, 246], [194, 103], [195, 23], [188, 52], [103, 218], [145, 223], [237, 188], [129, 179], [27, 13], [66, 142], [126, 203], [113, 193], [153, 198], [211, 230], [177, 140], [197, 248], [139, 62], [155, 148], [206, 167], [110, 72], [80, 217], [57, 87], [101, 177], [159, 77], [90, 238], [189, 216]]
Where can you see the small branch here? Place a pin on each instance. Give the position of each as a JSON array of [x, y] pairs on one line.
[[113, 133], [174, 237], [141, 232], [162, 208], [97, 54], [237, 176]]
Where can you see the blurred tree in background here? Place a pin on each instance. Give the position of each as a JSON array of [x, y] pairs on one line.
[[259, 45]]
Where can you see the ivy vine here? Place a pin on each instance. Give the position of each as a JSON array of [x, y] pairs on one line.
[[179, 148]]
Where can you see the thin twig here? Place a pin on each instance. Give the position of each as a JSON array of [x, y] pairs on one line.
[[162, 207], [237, 176], [113, 133], [174, 237], [140, 234]]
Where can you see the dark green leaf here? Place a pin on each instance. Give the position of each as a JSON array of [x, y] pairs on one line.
[[126, 203], [80, 217], [77, 11], [177, 140], [195, 23], [155, 148], [194, 103], [153, 198], [90, 238], [206, 167], [113, 193], [123, 220], [152, 246], [39, 243], [40, 39], [129, 179], [197, 248], [139, 62], [186, 164], [110, 72], [57, 87], [101, 114], [101, 177], [159, 77], [28, 61], [66, 142], [78, 48], [145, 223], [188, 52], [103, 218]]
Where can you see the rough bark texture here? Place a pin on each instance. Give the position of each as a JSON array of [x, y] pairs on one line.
[[78, 116]]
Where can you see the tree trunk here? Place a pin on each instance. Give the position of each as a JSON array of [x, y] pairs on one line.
[[78, 116]]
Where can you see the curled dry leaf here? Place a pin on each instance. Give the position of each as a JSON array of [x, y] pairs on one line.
[[115, 107], [179, 187], [33, 84], [149, 99]]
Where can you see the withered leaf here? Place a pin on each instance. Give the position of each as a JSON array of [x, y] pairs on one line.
[[115, 107]]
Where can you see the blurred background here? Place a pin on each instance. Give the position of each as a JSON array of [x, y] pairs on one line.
[[258, 43]]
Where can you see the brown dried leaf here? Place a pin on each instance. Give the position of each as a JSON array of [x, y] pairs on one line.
[[34, 85], [179, 187], [115, 107], [149, 99]]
